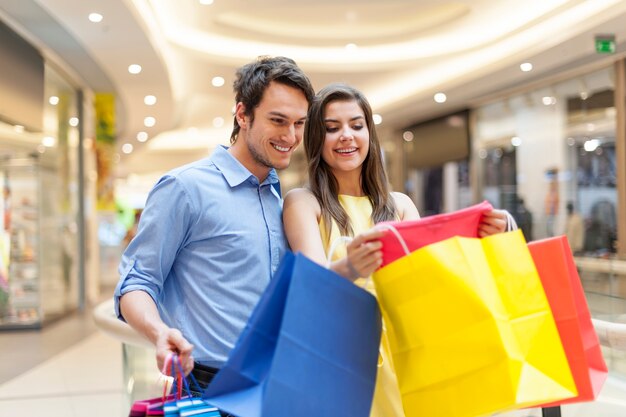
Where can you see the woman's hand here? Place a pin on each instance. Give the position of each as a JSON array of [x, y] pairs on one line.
[[493, 222], [364, 254]]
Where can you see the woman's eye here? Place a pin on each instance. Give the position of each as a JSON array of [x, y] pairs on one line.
[[357, 127], [331, 129]]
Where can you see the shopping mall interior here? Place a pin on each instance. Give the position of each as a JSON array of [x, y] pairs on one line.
[[521, 104]]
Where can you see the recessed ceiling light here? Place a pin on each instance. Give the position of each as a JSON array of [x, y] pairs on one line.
[[516, 141], [526, 66], [149, 100], [95, 17], [440, 97], [217, 81], [351, 16], [408, 136], [206, 2], [351, 47], [218, 122], [142, 136], [127, 148], [73, 121], [18, 128], [378, 119], [548, 100], [53, 100], [48, 141], [134, 68], [591, 145], [149, 121]]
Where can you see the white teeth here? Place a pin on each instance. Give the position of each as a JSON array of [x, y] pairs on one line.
[[281, 148], [346, 150]]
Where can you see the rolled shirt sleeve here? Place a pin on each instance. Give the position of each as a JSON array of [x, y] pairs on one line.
[[162, 230]]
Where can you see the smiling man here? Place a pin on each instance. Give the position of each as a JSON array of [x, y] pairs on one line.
[[211, 234]]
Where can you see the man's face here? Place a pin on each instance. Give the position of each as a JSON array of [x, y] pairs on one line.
[[269, 140]]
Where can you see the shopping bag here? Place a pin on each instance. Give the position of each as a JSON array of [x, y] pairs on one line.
[[174, 405], [155, 406], [557, 270], [471, 330], [310, 348], [431, 229], [190, 406]]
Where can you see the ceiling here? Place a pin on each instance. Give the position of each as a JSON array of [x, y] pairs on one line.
[[398, 52]]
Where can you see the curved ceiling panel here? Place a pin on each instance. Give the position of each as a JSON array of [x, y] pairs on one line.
[[367, 23]]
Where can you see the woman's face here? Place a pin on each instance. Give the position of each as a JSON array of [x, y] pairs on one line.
[[347, 137]]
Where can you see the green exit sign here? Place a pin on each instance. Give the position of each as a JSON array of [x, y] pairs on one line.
[[605, 44]]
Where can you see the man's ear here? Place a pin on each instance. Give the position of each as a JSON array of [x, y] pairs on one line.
[[240, 115]]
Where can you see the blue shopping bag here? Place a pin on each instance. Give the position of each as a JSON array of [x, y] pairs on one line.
[[310, 348]]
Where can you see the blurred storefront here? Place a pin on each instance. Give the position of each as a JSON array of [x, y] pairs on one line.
[[44, 159], [549, 147], [534, 151]]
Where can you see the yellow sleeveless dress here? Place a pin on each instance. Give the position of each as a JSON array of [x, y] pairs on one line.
[[387, 401]]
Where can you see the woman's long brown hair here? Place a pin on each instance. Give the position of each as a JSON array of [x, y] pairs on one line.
[[323, 183]]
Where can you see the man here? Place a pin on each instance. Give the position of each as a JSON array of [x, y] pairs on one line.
[[211, 234]]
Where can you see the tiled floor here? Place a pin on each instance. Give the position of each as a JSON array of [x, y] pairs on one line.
[[83, 380], [70, 369]]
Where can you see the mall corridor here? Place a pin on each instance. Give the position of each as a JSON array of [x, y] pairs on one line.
[[520, 105]]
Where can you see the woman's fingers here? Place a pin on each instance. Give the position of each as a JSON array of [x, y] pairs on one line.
[[492, 222], [366, 258]]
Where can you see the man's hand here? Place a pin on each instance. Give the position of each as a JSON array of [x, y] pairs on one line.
[[492, 223], [170, 341], [141, 313]]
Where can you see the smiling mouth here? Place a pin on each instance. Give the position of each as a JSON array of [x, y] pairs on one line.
[[345, 150], [281, 148]]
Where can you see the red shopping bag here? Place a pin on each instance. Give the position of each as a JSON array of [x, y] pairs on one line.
[[431, 229], [557, 271]]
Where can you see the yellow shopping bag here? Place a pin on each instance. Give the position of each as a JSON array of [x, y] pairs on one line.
[[471, 331]]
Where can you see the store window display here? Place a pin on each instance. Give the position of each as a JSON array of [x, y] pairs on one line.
[[560, 143], [38, 237]]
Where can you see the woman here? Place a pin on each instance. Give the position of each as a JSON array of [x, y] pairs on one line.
[[348, 193]]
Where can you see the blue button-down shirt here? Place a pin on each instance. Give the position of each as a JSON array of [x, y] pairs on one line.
[[208, 242]]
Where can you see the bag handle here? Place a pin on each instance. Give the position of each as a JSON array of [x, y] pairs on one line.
[[172, 361], [511, 224], [397, 234], [168, 364], [334, 246]]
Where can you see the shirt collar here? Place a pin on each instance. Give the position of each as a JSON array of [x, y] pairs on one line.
[[233, 171]]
